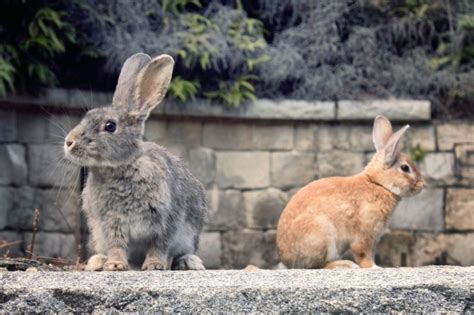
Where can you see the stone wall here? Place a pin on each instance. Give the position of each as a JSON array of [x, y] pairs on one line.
[[251, 160]]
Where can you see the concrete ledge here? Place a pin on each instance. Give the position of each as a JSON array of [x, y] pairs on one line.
[[393, 109], [260, 109], [427, 289], [396, 110]]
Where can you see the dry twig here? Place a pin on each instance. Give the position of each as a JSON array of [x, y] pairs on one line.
[[29, 252]]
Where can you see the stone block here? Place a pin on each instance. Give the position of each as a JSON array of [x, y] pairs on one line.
[[261, 109], [6, 205], [12, 244], [305, 135], [263, 207], [438, 168], [292, 169], [180, 150], [20, 216], [460, 249], [464, 165], [242, 248], [210, 250], [59, 126], [202, 163], [356, 137], [13, 164], [292, 192], [243, 169], [59, 210], [226, 210], [443, 249], [248, 136], [173, 134], [392, 109], [184, 132], [291, 109], [319, 138], [7, 125], [395, 249], [460, 209], [339, 163], [60, 97], [53, 245], [418, 136], [450, 133], [420, 212], [48, 167], [32, 127], [80, 98], [155, 130]]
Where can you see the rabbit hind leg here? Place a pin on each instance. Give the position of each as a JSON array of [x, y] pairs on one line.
[[188, 262], [341, 264], [155, 259]]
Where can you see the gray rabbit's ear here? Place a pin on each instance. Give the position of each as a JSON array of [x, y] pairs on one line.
[[124, 92], [382, 132], [152, 84], [390, 149]]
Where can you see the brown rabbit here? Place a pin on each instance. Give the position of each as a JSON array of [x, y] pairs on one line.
[[328, 216]]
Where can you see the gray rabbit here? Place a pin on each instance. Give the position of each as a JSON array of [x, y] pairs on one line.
[[139, 199]]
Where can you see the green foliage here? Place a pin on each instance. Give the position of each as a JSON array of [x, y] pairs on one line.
[[7, 72], [198, 47], [177, 6], [417, 153], [457, 49], [454, 48], [235, 92], [30, 45], [196, 40], [183, 90]]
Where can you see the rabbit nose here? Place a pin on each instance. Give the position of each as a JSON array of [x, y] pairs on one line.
[[70, 143]]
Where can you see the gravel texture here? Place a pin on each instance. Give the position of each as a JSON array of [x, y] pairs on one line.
[[427, 289]]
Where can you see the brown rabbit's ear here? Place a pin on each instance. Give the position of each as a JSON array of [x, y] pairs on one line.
[[123, 96], [152, 84], [390, 149], [381, 132]]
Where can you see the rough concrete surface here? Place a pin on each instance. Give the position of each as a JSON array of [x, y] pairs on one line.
[[427, 289]]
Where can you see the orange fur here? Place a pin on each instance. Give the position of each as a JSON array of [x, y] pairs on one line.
[[331, 215]]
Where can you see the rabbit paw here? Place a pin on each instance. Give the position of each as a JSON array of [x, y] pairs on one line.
[[115, 265], [153, 264], [96, 262], [188, 262]]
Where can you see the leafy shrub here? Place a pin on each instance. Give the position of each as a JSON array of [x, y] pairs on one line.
[[217, 48], [33, 34], [234, 50]]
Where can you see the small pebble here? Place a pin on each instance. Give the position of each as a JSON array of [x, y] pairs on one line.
[[32, 269]]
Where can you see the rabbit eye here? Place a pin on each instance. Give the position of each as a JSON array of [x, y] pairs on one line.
[[110, 126], [405, 168]]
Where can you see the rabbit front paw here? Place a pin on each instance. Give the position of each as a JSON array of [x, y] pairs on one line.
[[153, 263], [115, 265], [96, 262]]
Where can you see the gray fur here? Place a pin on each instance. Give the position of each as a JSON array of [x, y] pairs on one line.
[[139, 199]]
